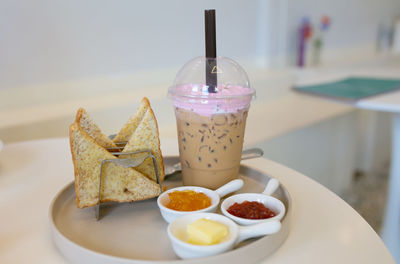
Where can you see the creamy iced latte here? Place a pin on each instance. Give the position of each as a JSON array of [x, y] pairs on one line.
[[210, 147], [210, 121]]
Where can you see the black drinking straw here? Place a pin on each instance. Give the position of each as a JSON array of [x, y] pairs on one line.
[[211, 50]]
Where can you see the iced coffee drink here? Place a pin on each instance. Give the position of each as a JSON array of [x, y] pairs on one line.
[[211, 125], [210, 147]]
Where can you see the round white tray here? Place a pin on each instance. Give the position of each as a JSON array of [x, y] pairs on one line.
[[136, 233]]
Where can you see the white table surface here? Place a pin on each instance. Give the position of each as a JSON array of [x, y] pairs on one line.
[[324, 228], [388, 102]]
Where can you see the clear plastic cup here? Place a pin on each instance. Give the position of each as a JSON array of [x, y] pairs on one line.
[[211, 119]]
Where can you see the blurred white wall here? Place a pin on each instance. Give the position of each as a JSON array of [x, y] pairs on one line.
[[48, 41]]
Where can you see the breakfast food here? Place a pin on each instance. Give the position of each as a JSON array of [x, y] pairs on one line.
[[91, 128], [251, 210], [206, 232], [130, 126], [188, 200], [146, 136], [119, 184]]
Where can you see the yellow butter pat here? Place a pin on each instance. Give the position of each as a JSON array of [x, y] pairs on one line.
[[206, 232]]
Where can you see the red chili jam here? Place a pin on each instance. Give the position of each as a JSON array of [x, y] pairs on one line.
[[251, 210]]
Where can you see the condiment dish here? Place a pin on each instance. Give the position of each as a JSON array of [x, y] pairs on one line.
[[169, 215], [265, 198], [177, 233]]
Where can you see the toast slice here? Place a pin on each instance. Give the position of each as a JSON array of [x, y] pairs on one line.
[[130, 126], [91, 128], [119, 184], [146, 136]]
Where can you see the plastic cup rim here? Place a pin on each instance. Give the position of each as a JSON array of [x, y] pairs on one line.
[[173, 94]]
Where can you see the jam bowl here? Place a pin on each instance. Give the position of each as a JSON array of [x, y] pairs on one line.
[[177, 233], [215, 196], [248, 201]]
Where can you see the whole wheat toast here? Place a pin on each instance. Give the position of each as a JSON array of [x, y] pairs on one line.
[[146, 136], [90, 127], [119, 184], [130, 126]]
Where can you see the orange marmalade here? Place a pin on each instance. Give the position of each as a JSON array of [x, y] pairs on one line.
[[188, 200]]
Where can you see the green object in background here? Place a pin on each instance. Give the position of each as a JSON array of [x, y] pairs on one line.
[[352, 88]]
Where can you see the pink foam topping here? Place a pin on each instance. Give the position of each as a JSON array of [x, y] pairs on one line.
[[227, 99]]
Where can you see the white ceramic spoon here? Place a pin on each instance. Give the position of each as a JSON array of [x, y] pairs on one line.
[[271, 187]]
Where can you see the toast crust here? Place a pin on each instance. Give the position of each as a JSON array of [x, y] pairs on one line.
[[72, 128], [130, 126], [91, 128]]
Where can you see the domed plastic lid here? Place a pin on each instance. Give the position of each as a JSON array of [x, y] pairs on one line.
[[211, 78], [210, 86]]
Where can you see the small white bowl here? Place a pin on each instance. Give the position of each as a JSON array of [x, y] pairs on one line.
[[270, 202], [178, 235], [169, 215]]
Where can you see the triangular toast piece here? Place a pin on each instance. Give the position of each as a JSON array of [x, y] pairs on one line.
[[130, 126], [146, 137], [90, 127], [119, 184]]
